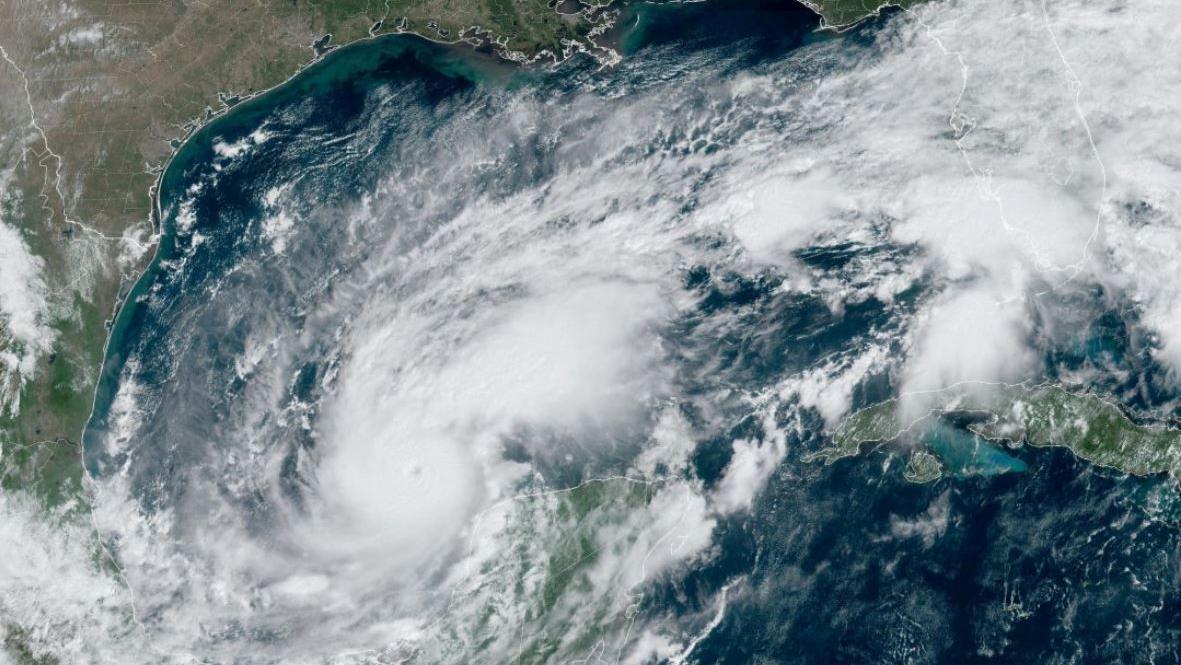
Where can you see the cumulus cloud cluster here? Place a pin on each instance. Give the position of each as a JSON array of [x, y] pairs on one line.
[[1021, 172], [25, 333], [541, 323]]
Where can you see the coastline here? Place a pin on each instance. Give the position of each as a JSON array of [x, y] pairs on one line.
[[453, 59], [468, 56]]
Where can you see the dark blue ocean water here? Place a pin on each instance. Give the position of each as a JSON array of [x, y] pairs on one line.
[[1021, 556]]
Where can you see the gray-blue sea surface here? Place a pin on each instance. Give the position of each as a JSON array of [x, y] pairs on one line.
[[441, 361]]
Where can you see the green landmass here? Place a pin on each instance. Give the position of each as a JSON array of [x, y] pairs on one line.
[[97, 96], [876, 424], [843, 14], [557, 577], [1094, 428]]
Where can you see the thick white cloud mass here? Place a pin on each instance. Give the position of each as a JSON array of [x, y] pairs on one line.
[[1016, 149], [25, 333], [972, 336]]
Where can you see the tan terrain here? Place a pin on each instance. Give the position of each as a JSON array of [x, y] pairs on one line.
[[97, 94]]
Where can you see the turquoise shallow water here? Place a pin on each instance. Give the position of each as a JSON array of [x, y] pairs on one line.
[[368, 63], [355, 234], [967, 454]]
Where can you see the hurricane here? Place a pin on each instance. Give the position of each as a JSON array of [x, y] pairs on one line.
[[443, 362]]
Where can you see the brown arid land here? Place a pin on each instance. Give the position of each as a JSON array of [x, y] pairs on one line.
[[96, 96]]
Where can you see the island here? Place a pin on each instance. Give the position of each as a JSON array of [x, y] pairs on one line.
[[1092, 426]]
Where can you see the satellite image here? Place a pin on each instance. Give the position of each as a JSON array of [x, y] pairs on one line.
[[629, 332]]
